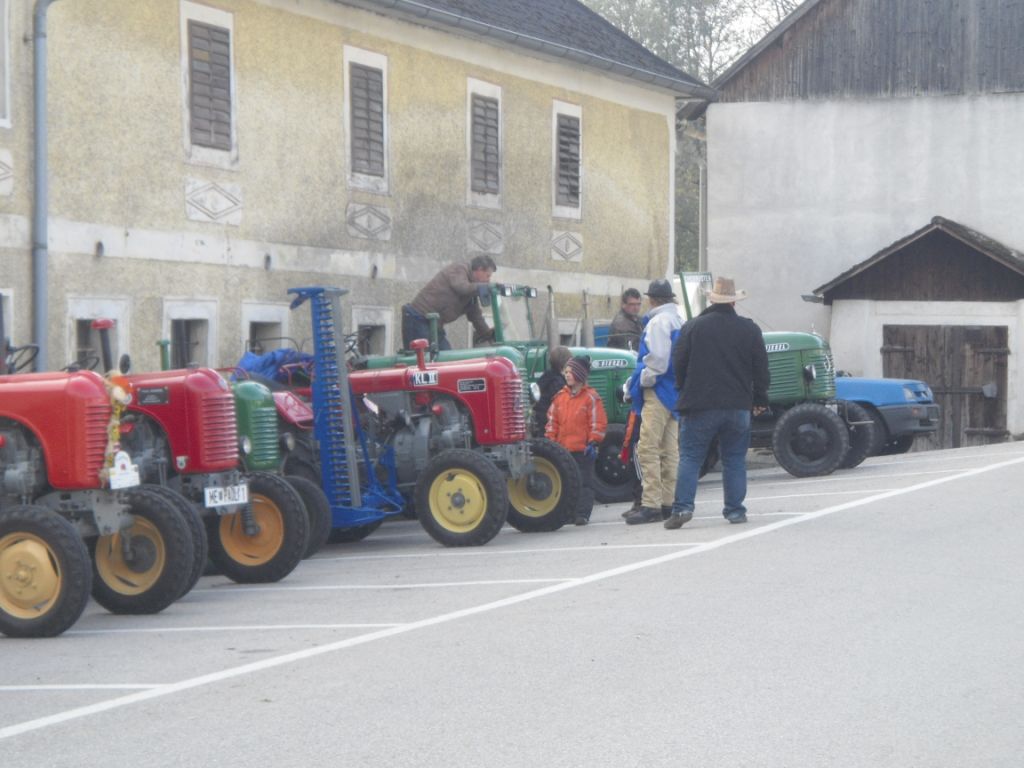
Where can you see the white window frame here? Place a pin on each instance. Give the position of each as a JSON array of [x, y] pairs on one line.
[[195, 309], [5, 63], [363, 181], [197, 155], [363, 315], [9, 295], [263, 312], [488, 90], [569, 110], [116, 308]]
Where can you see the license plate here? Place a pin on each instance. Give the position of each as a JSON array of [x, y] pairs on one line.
[[218, 496]]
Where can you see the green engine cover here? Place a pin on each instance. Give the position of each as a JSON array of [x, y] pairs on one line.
[[801, 367], [257, 421]]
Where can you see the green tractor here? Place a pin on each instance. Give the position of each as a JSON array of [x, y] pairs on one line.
[[809, 430], [516, 337]]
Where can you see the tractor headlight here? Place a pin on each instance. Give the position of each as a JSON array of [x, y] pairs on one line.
[[245, 444]]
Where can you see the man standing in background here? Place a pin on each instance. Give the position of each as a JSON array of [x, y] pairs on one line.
[[625, 329]]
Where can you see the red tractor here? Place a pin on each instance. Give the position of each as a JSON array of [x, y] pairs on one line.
[[68, 493], [448, 439], [180, 427]]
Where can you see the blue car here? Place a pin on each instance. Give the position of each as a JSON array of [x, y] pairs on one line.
[[901, 409]]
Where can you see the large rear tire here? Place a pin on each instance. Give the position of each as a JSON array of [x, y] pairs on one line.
[[278, 545], [45, 575], [861, 429], [152, 571], [546, 498], [809, 440], [613, 480], [318, 512], [462, 498]]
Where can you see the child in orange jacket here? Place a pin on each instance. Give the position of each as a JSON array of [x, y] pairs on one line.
[[577, 421]]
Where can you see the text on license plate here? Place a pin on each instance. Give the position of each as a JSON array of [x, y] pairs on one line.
[[219, 496]]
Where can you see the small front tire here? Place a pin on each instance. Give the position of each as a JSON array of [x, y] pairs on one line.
[[152, 571], [45, 575], [276, 548], [462, 498], [546, 498]]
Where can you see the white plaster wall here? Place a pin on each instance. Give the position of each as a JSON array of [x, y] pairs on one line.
[[799, 192], [857, 336]]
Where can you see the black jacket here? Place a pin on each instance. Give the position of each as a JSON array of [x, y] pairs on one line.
[[720, 362]]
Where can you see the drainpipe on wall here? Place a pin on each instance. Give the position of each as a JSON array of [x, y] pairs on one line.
[[40, 189]]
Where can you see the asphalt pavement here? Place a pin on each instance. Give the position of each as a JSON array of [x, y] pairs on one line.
[[874, 617]]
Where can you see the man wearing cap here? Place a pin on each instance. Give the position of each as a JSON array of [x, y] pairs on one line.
[[653, 390], [453, 292], [721, 370]]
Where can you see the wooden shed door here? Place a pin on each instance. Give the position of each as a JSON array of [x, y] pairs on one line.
[[966, 369]]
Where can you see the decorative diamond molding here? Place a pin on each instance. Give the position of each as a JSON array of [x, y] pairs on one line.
[[6, 173], [567, 246], [212, 202], [485, 237], [369, 222]]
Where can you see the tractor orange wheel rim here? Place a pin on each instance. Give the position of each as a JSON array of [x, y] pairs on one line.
[[458, 500], [141, 574], [30, 577], [261, 548], [522, 490]]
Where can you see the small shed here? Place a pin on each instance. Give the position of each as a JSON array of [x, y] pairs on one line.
[[944, 304]]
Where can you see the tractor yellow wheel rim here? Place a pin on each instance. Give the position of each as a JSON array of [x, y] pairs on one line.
[[538, 493], [30, 576], [145, 564], [458, 500], [261, 548]]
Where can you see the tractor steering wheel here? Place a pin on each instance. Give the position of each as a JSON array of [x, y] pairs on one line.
[[19, 358]]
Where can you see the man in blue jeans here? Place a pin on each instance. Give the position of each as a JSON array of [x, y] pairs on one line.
[[721, 370]]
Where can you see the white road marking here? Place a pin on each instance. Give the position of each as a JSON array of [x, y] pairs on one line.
[[491, 550], [76, 687], [238, 628], [424, 585], [444, 618]]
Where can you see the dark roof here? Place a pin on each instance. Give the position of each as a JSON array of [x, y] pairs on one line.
[[985, 245], [564, 29]]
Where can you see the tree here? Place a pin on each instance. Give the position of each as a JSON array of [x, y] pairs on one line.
[[702, 38]]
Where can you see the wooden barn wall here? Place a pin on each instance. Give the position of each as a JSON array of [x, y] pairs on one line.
[[871, 48], [936, 267]]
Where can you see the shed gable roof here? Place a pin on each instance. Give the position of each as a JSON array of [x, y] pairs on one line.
[[998, 254], [857, 48], [564, 29]]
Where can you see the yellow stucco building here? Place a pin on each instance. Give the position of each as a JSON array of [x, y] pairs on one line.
[[203, 157]]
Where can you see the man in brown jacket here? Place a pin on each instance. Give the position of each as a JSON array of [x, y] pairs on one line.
[[451, 293]]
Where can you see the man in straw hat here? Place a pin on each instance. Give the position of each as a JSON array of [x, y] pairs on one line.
[[653, 392], [721, 370]]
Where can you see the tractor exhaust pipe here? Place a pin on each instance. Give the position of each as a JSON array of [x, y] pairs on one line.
[[587, 324], [552, 321]]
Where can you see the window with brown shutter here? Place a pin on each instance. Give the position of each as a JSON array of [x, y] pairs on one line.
[[366, 102], [209, 69], [485, 160], [568, 142]]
